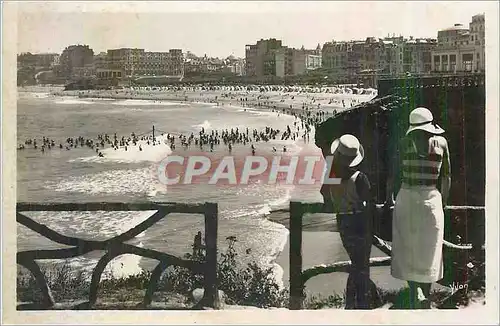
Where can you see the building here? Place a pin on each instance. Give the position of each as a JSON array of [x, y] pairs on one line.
[[260, 58], [346, 59], [56, 61], [125, 59], [202, 65], [234, 65], [45, 60], [37, 60], [283, 62], [104, 73], [176, 62], [387, 56], [75, 56], [313, 61], [101, 61], [417, 55], [138, 62], [305, 60], [460, 48], [271, 58], [476, 29], [334, 56], [86, 71], [251, 60]]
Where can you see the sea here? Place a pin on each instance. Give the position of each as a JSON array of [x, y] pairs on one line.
[[79, 175]]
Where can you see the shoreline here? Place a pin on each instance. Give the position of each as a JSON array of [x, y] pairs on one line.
[[211, 97]]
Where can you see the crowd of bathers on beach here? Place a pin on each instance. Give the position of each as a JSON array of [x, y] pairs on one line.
[[307, 114], [204, 139]]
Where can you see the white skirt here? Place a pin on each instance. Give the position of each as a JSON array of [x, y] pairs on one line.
[[417, 235]]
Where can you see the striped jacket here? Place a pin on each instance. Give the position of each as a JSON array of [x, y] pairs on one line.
[[421, 168]]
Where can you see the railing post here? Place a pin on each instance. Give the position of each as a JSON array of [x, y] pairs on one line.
[[296, 284], [211, 293]]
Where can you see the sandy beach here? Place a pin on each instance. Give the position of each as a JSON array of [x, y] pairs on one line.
[[297, 102]]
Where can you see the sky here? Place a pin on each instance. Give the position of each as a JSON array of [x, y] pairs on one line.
[[220, 29]]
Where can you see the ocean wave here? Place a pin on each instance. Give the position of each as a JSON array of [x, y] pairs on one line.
[[238, 108], [205, 125], [281, 201], [273, 197], [138, 181], [275, 247], [40, 95], [264, 113], [103, 99], [37, 95], [130, 102], [149, 153], [72, 101]]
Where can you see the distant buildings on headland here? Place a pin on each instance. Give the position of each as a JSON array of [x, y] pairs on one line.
[[457, 49]]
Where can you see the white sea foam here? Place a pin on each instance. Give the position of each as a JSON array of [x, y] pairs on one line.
[[104, 99], [205, 125], [72, 101], [280, 202], [138, 181], [264, 113], [277, 245], [40, 95], [131, 102], [238, 108], [124, 265], [149, 153]]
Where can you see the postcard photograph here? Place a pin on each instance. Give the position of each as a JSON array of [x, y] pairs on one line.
[[265, 157]]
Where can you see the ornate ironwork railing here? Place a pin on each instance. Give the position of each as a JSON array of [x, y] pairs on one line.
[[298, 276], [116, 246]]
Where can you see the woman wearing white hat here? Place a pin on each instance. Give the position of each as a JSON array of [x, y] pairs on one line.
[[352, 202], [421, 165]]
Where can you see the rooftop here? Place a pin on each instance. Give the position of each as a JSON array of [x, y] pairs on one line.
[[456, 27]]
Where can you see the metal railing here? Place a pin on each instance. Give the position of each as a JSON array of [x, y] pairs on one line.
[[116, 246]]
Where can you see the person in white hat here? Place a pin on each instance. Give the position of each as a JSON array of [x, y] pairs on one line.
[[421, 171], [352, 202]]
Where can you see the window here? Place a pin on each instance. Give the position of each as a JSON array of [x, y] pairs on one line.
[[467, 59], [437, 63], [453, 62], [444, 59]]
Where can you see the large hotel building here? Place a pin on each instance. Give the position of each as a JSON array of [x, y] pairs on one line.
[[461, 49], [138, 62]]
